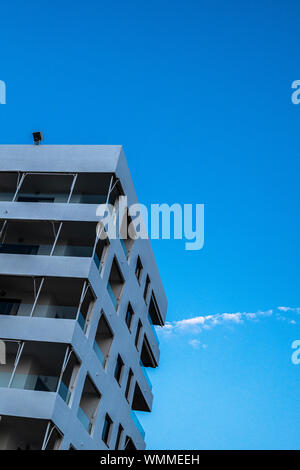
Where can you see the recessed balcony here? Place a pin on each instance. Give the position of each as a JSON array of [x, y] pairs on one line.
[[115, 284], [103, 340], [40, 366], [47, 297], [84, 188], [89, 404], [14, 434]]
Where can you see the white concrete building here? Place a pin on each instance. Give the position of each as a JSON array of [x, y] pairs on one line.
[[77, 314]]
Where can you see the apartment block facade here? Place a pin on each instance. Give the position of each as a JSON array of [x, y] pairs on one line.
[[77, 313]]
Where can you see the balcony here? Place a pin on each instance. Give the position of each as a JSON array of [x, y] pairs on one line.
[[115, 284], [103, 340], [30, 237], [40, 366], [89, 404], [87, 188], [14, 434], [47, 297]]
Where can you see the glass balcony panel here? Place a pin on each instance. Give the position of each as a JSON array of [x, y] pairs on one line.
[[82, 322], [123, 246], [64, 392], [84, 419], [99, 353], [112, 295], [56, 311], [40, 383], [9, 307], [4, 379], [73, 250], [97, 261]]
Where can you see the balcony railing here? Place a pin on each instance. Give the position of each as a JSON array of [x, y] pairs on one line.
[[146, 374], [77, 251], [97, 261], [82, 322], [85, 420], [112, 295], [18, 249], [64, 393], [55, 198], [153, 328], [22, 309], [65, 312], [138, 424], [41, 383], [123, 246], [99, 353]]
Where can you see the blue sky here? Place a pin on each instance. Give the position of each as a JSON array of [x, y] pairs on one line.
[[199, 94]]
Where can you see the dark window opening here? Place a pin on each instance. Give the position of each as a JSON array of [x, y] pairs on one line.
[[138, 333], [106, 429], [103, 340], [115, 284], [128, 385], [119, 437], [139, 269], [129, 445], [146, 290], [129, 316], [154, 312], [119, 369], [89, 404]]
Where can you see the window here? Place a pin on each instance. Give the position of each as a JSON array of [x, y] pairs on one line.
[[115, 284], [101, 252], [103, 340], [118, 369], [88, 406], [119, 437], [127, 236], [129, 445], [35, 199], [139, 269], [138, 333], [154, 312], [128, 385], [129, 316], [106, 429], [147, 285], [9, 306]]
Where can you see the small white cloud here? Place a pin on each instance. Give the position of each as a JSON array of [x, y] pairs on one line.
[[195, 343], [284, 309]]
